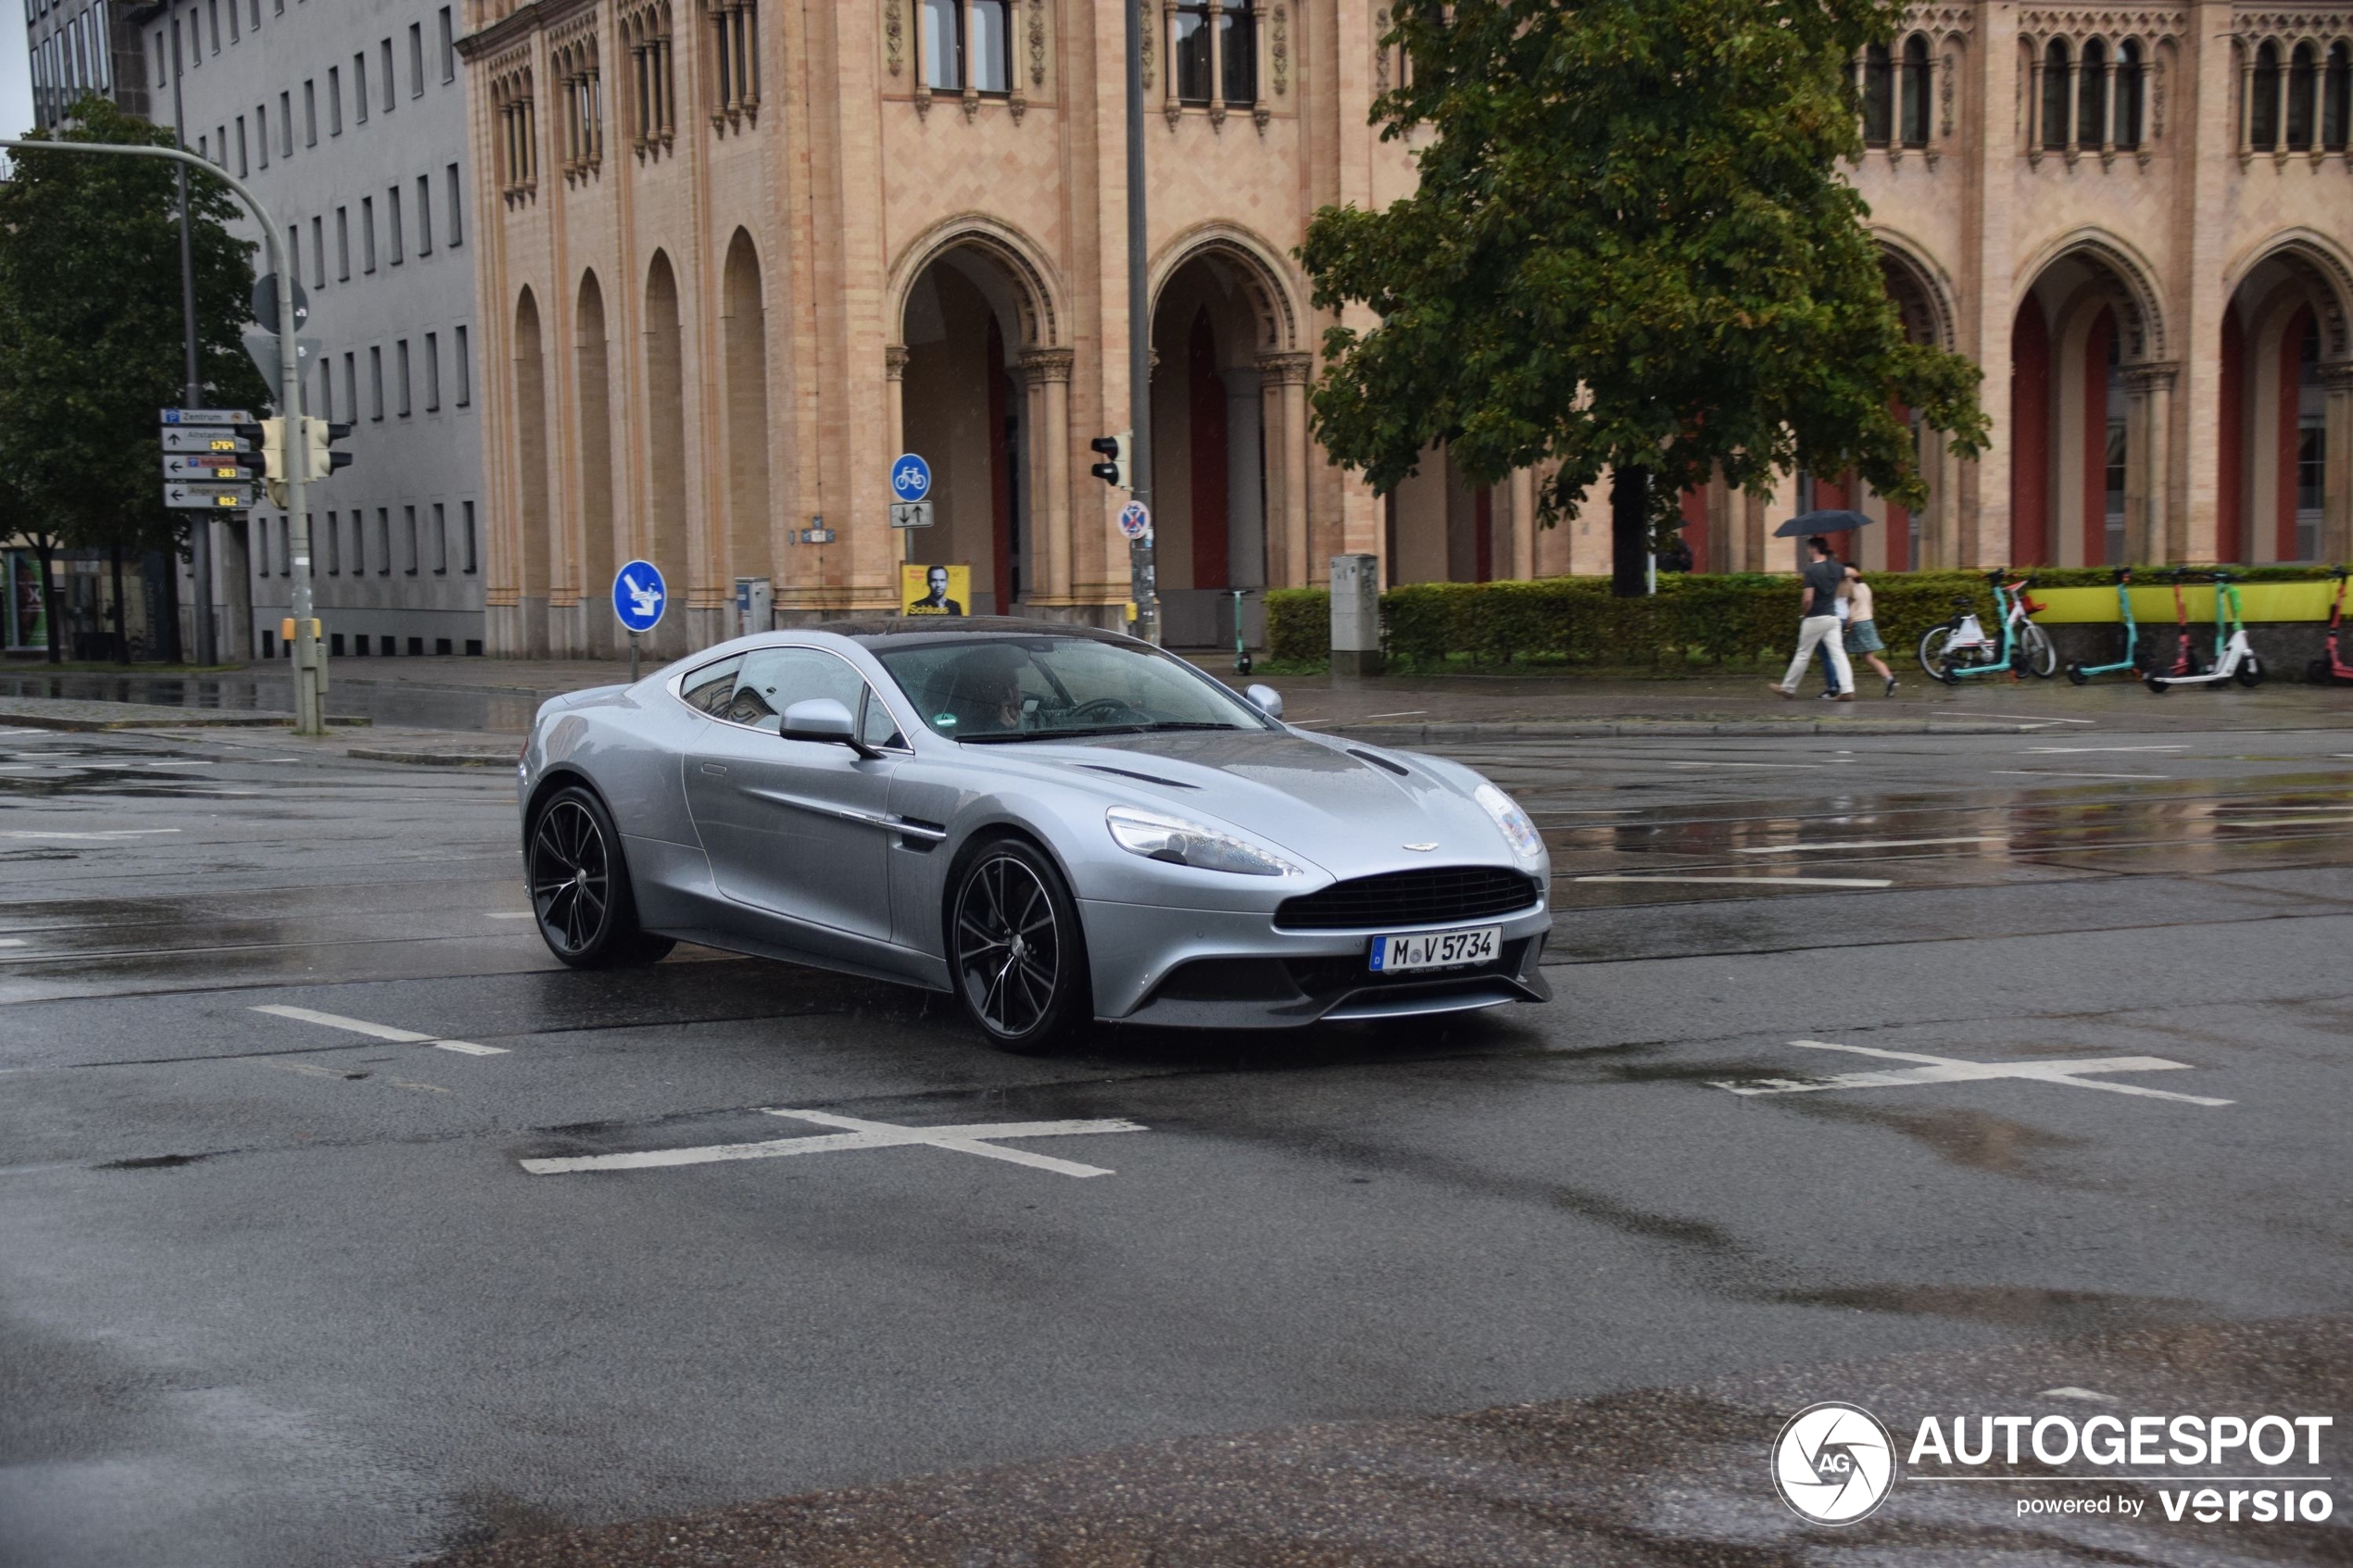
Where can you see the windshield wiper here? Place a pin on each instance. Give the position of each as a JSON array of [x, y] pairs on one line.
[[1079, 734]]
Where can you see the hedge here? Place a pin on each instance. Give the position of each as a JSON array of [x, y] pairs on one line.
[[1715, 617]]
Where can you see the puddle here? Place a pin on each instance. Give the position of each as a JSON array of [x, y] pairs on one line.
[[2020, 1306], [1973, 1139], [152, 1162]]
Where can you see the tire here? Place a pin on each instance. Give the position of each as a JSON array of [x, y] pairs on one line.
[[1242, 664], [2075, 675], [2250, 674], [1931, 651], [2158, 684], [1017, 956], [579, 886], [2317, 673], [2041, 654]]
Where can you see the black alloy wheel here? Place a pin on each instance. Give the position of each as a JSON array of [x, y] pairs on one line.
[[1018, 957], [580, 887]]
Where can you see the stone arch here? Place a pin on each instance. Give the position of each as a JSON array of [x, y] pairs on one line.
[[592, 390], [1922, 292], [1036, 297], [744, 338], [2324, 268], [531, 461], [1253, 263], [664, 535], [2131, 279]]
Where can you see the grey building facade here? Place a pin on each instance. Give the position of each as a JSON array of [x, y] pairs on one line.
[[349, 118], [79, 46]]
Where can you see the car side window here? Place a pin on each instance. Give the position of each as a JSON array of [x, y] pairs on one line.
[[774, 679], [709, 687], [877, 728]]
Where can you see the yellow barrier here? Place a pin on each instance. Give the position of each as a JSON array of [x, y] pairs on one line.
[[2258, 601]]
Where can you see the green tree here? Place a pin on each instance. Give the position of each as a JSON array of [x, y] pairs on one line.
[[1630, 249], [92, 331]]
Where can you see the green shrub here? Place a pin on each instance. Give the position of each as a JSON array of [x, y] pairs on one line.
[[1298, 624]]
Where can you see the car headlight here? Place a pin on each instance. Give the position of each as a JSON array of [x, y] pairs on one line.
[[1180, 843], [1517, 830]]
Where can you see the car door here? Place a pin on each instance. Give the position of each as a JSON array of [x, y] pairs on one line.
[[799, 828]]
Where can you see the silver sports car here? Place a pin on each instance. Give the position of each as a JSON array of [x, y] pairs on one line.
[[1056, 824]]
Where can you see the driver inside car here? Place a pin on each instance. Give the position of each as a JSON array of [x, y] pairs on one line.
[[985, 694]]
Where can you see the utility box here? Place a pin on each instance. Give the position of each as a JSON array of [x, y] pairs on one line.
[[755, 606], [1356, 615]]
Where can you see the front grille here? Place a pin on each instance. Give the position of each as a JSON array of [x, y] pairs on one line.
[[1425, 895]]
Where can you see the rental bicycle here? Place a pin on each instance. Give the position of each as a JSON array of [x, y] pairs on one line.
[[1954, 649]]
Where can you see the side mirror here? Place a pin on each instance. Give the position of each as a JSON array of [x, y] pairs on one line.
[[822, 720], [1266, 699]]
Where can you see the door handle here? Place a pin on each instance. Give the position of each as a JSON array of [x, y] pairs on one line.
[[716, 770]]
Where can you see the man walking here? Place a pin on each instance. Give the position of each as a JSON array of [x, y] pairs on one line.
[[1817, 621]]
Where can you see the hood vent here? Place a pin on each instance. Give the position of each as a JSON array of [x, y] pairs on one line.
[[1139, 778], [1400, 769]]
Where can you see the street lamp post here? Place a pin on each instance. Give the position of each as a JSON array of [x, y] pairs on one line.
[[310, 661], [1142, 587], [200, 536]]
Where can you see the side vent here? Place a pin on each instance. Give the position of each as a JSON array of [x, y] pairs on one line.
[[1400, 769]]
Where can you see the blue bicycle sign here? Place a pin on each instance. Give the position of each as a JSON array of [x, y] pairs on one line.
[[638, 595], [910, 477]]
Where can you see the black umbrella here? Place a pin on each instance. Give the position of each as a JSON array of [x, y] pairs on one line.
[[1821, 523]]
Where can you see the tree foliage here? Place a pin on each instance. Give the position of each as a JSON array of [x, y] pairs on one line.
[[92, 336], [1630, 248]]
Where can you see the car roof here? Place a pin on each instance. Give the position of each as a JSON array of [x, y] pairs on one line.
[[912, 631]]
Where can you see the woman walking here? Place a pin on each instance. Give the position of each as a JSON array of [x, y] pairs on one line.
[[1862, 634]]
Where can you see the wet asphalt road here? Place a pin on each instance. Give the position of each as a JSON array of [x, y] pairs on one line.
[[275, 1291]]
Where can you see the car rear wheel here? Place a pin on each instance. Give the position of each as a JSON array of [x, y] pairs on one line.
[[579, 886], [1017, 956]]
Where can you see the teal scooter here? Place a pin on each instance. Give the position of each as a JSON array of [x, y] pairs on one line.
[[2078, 672]]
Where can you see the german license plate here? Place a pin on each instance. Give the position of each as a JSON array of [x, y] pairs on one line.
[[1436, 950]]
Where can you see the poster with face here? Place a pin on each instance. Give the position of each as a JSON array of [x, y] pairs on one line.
[[935, 589]]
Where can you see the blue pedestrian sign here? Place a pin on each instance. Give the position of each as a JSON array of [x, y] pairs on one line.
[[638, 595], [910, 477]]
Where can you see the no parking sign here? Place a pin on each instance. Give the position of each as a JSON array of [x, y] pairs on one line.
[[1135, 520]]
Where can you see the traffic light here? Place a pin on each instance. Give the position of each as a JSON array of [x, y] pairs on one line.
[[1114, 473], [318, 438], [265, 454]]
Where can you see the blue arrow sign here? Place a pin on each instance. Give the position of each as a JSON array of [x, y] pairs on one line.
[[910, 477], [638, 595]]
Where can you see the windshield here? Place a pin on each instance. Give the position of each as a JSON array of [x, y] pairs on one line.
[[1045, 688]]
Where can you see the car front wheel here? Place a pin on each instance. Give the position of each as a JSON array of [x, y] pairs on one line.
[[579, 886], [1016, 953]]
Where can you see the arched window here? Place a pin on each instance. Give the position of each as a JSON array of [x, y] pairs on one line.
[[2311, 444], [2337, 98], [942, 42], [2055, 97], [1878, 96], [2114, 450], [2263, 105], [2091, 95], [2129, 80], [990, 47], [1238, 47], [1915, 111], [1191, 53], [2303, 76]]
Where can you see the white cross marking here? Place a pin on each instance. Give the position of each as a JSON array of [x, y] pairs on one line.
[[381, 1031], [975, 1139], [1952, 1070]]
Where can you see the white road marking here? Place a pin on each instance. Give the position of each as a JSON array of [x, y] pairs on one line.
[[2055, 750], [2029, 718], [2068, 773], [2072, 1392], [2278, 822], [119, 833], [977, 1139], [379, 1031], [1403, 713], [1953, 1070], [1870, 844], [1766, 881], [1636, 761], [2279, 809], [12, 942]]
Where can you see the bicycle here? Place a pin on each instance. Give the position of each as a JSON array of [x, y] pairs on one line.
[[1959, 647]]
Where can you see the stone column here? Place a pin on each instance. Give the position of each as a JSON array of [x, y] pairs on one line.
[[2107, 112], [1216, 65], [2151, 532], [1523, 488], [895, 396], [1045, 376], [2336, 483], [2034, 107], [1282, 379]]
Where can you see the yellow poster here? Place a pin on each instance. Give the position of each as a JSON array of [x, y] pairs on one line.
[[935, 589]]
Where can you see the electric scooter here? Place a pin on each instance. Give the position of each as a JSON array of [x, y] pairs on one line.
[[2185, 659], [2330, 670], [2233, 656], [1242, 648], [2079, 673]]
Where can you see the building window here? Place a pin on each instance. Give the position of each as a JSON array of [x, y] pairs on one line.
[[400, 371], [467, 511], [449, 48], [457, 209], [334, 545], [1916, 91], [294, 251], [652, 79], [416, 59], [242, 169], [392, 216], [2311, 446], [318, 254], [1237, 51], [2303, 78], [384, 66], [2091, 95], [433, 372], [343, 244], [409, 535], [2337, 97], [262, 133], [988, 49], [519, 136], [376, 382], [1190, 52], [351, 385], [465, 376], [440, 541], [384, 551], [286, 125], [360, 88], [1878, 96], [2112, 518], [2128, 95], [735, 30], [368, 234], [425, 214], [2056, 99], [2263, 109], [310, 114], [359, 543], [942, 44], [334, 100], [583, 121]]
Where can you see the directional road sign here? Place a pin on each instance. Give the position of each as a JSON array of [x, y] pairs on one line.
[[207, 497], [1135, 520], [638, 595], [206, 417], [220, 470], [265, 303], [910, 477], [910, 514], [203, 438], [263, 349]]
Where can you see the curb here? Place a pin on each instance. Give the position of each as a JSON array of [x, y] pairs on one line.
[[55, 722], [1570, 729], [432, 758]]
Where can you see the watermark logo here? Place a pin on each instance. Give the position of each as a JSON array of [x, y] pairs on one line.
[[1833, 1463]]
